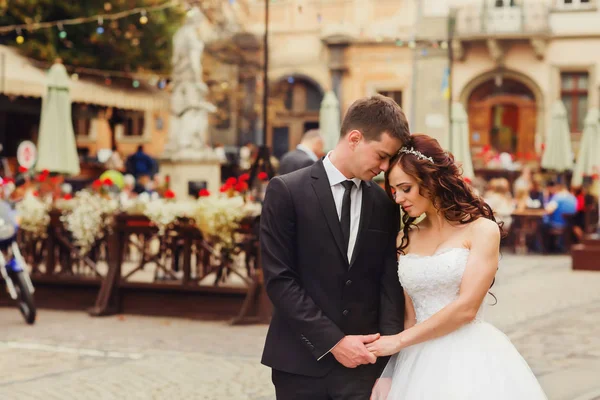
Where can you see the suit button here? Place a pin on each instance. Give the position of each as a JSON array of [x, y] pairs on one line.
[[346, 312], [348, 282]]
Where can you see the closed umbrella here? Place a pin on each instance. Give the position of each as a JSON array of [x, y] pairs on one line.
[[588, 159], [558, 154], [57, 151], [329, 120], [460, 145]]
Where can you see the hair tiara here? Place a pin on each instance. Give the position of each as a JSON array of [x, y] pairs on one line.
[[416, 153]]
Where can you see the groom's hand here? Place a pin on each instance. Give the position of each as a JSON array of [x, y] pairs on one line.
[[352, 352]]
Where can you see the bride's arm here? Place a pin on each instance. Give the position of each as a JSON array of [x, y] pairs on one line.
[[410, 317], [476, 281]]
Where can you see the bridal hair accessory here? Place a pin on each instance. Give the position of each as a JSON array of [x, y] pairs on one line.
[[416, 153]]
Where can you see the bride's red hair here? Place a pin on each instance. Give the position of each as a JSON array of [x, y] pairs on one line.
[[442, 182]]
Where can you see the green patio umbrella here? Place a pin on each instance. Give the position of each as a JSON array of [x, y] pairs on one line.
[[57, 151], [558, 154], [329, 120], [460, 144], [588, 159]]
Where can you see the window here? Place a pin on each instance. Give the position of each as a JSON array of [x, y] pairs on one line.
[[133, 123], [395, 95], [82, 115], [504, 3], [574, 94], [575, 4]]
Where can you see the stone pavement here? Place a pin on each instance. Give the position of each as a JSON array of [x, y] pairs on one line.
[[551, 314]]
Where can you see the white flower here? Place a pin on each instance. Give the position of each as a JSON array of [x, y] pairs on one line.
[[34, 215], [88, 218], [66, 188]]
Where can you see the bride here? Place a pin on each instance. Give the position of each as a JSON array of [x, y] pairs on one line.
[[446, 266]]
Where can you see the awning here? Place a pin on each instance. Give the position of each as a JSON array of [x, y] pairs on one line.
[[19, 77]]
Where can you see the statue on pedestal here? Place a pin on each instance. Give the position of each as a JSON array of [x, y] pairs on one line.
[[188, 127]]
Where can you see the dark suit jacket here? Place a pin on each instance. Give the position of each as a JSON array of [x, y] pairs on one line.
[[293, 161], [318, 296]]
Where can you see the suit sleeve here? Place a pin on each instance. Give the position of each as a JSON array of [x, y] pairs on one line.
[[283, 285], [391, 320]]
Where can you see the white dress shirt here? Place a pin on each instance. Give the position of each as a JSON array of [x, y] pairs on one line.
[[335, 181]]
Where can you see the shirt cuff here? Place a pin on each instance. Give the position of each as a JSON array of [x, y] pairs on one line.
[[329, 351]]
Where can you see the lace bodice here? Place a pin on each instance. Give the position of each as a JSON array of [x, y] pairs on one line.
[[432, 282]]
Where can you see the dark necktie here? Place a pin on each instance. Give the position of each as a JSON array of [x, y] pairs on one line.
[[345, 219]]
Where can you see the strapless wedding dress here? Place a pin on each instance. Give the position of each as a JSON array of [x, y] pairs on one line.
[[475, 362]]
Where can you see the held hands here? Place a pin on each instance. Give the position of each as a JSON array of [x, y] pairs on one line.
[[385, 346], [351, 351]]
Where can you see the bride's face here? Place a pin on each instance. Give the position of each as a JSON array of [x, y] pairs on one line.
[[406, 191]]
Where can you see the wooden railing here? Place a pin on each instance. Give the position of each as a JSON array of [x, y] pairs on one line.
[[133, 255]]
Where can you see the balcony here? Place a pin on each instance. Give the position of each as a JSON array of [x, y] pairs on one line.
[[518, 22]]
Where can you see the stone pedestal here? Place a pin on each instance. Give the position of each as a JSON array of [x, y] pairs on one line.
[[184, 171]]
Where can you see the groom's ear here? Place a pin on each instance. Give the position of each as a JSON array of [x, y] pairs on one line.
[[354, 137]]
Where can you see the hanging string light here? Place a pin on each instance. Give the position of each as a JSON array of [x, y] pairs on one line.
[[143, 18], [61, 32], [100, 28], [20, 39]]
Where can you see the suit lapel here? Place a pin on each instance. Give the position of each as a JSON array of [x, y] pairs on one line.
[[322, 189], [365, 216]]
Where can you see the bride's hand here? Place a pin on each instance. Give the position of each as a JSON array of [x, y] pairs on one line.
[[385, 346]]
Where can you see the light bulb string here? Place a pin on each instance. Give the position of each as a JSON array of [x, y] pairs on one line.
[[82, 20]]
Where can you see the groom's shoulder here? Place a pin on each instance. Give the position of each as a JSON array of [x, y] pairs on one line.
[[298, 176]]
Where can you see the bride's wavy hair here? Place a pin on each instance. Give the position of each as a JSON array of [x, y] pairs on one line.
[[441, 181]]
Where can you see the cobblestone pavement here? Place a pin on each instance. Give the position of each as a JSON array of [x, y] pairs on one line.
[[551, 314]]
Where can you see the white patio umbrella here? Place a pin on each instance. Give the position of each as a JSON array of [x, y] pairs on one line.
[[460, 144], [588, 159], [558, 154], [329, 120], [57, 151]]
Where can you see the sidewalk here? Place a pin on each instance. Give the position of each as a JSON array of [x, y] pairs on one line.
[[551, 314]]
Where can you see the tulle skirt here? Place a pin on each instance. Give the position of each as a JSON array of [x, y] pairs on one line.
[[475, 362]]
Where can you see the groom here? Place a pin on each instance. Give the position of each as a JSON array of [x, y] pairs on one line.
[[328, 245]]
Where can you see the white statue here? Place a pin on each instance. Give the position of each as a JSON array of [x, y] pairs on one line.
[[188, 126]]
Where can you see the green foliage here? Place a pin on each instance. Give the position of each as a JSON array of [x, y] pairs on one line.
[[125, 45]]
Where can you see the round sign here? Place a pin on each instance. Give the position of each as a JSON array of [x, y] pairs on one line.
[[26, 154]]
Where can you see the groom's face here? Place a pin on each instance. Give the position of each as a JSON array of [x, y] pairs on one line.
[[372, 157]]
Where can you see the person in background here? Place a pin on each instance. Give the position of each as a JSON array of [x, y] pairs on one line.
[[115, 161], [524, 181], [306, 153], [140, 164], [562, 202], [500, 200]]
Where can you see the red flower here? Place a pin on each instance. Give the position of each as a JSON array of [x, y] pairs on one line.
[[203, 193], [22, 169], [263, 176], [96, 184], [486, 148], [467, 180], [55, 179], [42, 178], [68, 196], [225, 188], [169, 194], [245, 177], [241, 186], [107, 182], [35, 193], [45, 172], [595, 177], [231, 181]]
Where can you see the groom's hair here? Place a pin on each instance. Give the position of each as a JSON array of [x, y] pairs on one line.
[[375, 115]]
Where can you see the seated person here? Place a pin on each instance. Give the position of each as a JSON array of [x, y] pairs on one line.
[[562, 202]]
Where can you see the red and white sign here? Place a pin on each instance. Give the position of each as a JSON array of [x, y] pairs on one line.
[[26, 154]]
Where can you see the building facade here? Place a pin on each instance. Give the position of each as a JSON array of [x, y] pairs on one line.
[[506, 61]]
